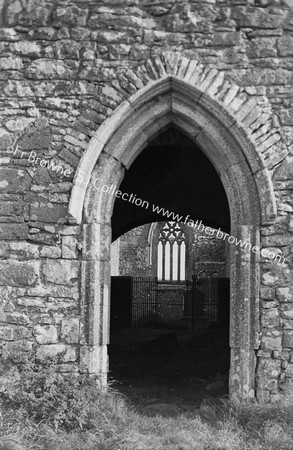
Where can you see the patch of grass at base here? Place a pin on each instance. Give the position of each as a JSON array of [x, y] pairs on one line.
[[117, 426]]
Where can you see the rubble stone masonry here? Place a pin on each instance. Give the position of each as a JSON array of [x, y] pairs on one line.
[[65, 68]]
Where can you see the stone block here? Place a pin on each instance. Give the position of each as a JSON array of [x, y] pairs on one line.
[[54, 290], [43, 238], [36, 139], [26, 48], [252, 17], [19, 273], [17, 318], [69, 157], [268, 370], [6, 333], [70, 330], [94, 359], [289, 371], [16, 350], [19, 124], [20, 333], [45, 68], [262, 47], [271, 342], [267, 293], [288, 339], [50, 252], [278, 275], [286, 310], [50, 351], [47, 334], [18, 250], [11, 63], [14, 180], [11, 208], [277, 240], [70, 231], [285, 45], [288, 324], [60, 271], [97, 242], [285, 171], [69, 247], [70, 16], [48, 212], [270, 317], [285, 294]]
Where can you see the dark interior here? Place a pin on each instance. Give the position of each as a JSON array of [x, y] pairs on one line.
[[174, 173], [171, 366]]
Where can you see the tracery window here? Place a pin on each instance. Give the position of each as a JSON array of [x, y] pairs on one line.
[[171, 253]]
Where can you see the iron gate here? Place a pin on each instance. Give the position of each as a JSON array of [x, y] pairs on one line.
[[207, 303], [143, 302]]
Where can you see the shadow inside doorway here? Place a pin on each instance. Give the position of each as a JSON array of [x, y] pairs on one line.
[[169, 372]]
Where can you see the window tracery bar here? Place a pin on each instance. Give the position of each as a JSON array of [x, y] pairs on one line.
[[171, 253]]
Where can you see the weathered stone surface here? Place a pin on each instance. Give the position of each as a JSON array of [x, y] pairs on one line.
[[14, 180], [285, 294], [35, 139], [278, 275], [11, 63], [18, 250], [26, 48], [278, 240], [15, 273], [268, 370], [70, 330], [267, 293], [286, 310], [96, 243], [12, 231], [70, 231], [65, 352], [48, 212], [288, 339], [60, 271], [285, 171], [50, 252], [262, 47], [285, 46], [46, 334], [57, 291], [69, 247], [44, 69], [11, 209], [272, 342], [43, 238], [270, 318], [16, 349]]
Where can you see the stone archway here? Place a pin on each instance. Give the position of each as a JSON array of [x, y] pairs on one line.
[[170, 100]]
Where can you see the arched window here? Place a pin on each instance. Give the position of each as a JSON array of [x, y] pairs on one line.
[[171, 253]]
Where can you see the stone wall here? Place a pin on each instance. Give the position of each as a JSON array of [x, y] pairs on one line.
[[66, 66]]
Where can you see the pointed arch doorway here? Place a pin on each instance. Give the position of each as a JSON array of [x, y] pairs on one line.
[[112, 151]]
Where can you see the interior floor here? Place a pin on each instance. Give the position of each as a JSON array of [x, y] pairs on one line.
[[169, 371]]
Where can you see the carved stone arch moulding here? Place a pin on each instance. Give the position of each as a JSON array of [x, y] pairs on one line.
[[247, 116], [235, 131]]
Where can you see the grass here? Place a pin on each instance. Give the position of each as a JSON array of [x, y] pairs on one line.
[[118, 426]]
